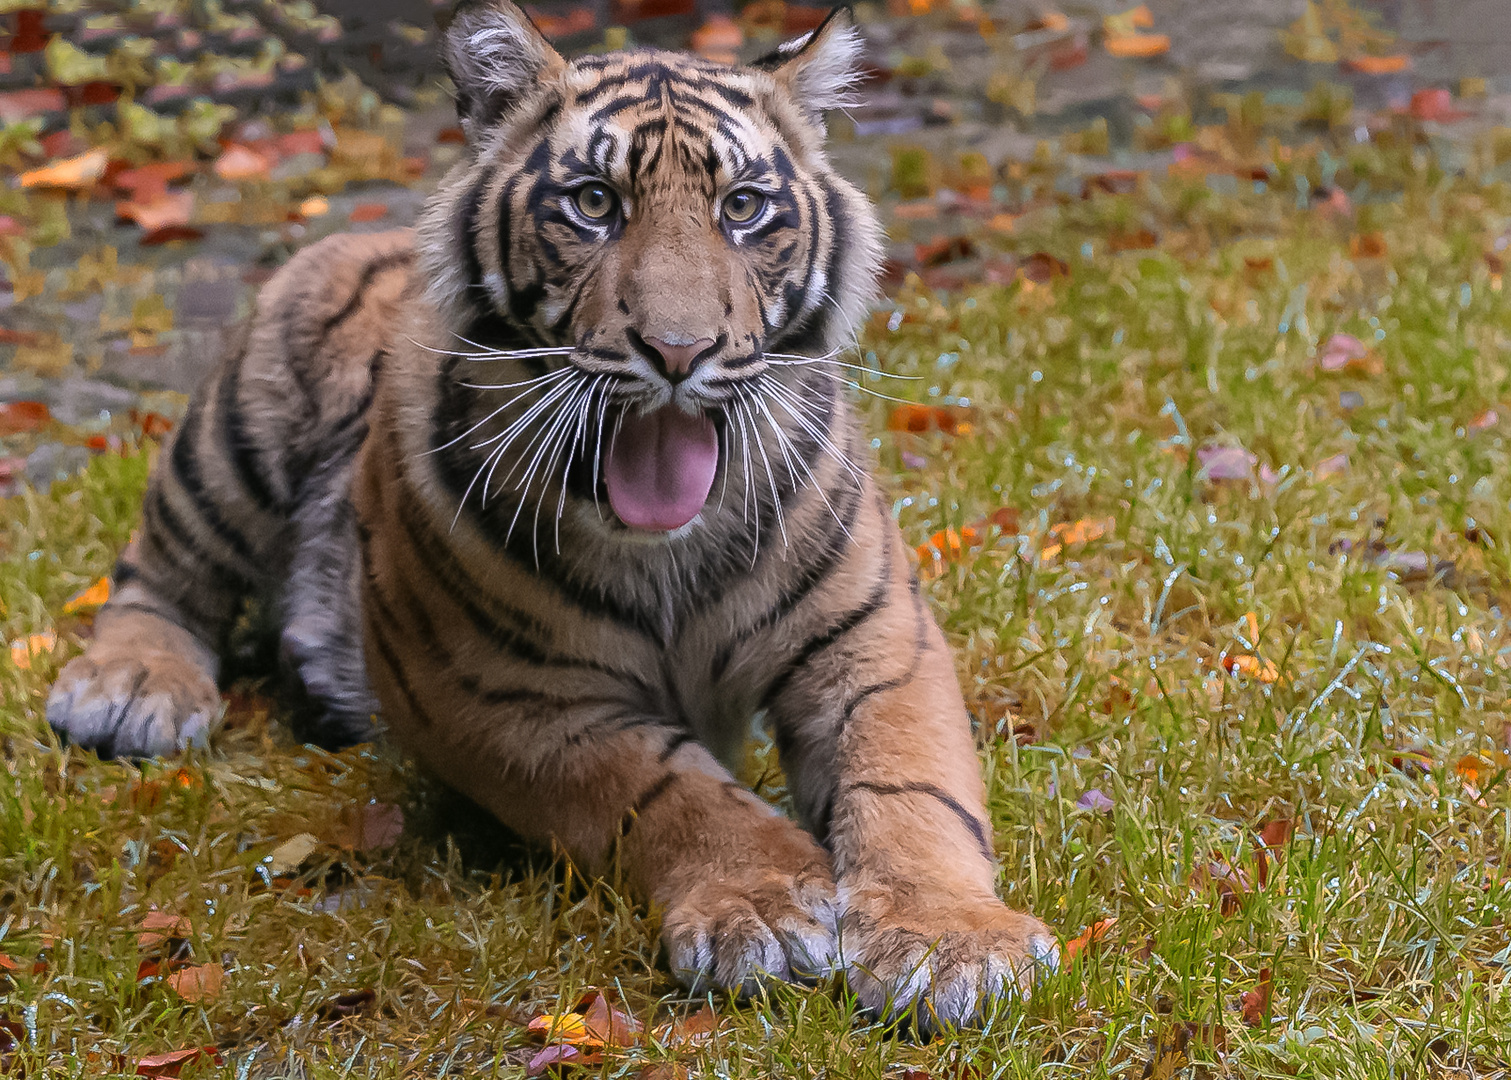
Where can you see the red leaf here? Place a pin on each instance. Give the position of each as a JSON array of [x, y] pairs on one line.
[[1256, 1002], [170, 1063], [607, 1024], [368, 211]]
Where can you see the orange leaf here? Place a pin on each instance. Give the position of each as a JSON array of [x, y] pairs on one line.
[[7, 963], [1083, 942], [1378, 65], [24, 651], [170, 1063], [201, 982], [1367, 246], [1081, 531], [921, 418], [1256, 1002], [159, 210], [1252, 667], [92, 597], [1138, 46], [70, 174], [239, 162], [159, 926], [567, 1027], [690, 1030]]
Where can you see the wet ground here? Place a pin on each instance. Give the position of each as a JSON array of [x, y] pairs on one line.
[[107, 326]]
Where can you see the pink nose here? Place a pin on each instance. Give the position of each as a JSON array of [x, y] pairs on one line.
[[679, 360]]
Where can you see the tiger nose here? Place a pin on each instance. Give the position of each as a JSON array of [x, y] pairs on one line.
[[678, 361]]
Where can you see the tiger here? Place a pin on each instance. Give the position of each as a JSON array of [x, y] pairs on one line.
[[563, 491]]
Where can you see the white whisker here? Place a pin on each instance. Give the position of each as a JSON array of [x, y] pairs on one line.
[[783, 438], [776, 497]]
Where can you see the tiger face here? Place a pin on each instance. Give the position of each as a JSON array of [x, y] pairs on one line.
[[662, 228]]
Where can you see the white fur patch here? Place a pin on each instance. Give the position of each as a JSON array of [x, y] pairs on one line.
[[827, 75]]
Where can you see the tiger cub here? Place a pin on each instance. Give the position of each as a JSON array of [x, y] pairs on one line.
[[565, 487]]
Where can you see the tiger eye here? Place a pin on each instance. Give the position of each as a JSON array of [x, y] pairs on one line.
[[595, 201], [742, 206]]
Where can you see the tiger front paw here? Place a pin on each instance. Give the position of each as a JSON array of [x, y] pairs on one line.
[[133, 703], [939, 958], [732, 931]]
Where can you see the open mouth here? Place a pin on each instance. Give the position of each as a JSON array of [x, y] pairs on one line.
[[660, 467]]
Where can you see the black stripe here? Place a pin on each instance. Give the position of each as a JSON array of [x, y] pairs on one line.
[[853, 618], [183, 466], [969, 820], [392, 660], [919, 642], [643, 803], [370, 273], [240, 449]]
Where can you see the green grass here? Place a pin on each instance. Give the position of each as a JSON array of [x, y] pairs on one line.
[[1384, 920]]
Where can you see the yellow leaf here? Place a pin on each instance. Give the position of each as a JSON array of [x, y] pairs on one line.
[[70, 174], [22, 652], [92, 597], [563, 1028], [1253, 667]]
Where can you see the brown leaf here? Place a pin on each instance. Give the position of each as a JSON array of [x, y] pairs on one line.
[[951, 420], [1041, 267], [1367, 246], [1256, 1002], [343, 1006], [17, 417], [201, 982], [170, 1063], [690, 1030], [371, 827], [158, 927], [161, 210], [1169, 1050], [607, 1024]]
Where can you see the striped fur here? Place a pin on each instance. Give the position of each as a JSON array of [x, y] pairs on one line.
[[403, 459]]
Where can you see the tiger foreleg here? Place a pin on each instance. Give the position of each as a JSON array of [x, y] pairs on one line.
[[146, 686], [895, 783], [744, 893]]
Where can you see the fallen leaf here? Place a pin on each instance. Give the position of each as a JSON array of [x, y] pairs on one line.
[[569, 1027], [200, 982], [560, 1054], [288, 856], [1080, 531], [371, 827], [1095, 799], [1256, 1002], [1434, 103], [1169, 1050], [1367, 246], [161, 210], [343, 1006], [152, 425], [1231, 883], [314, 206], [948, 545], [1330, 466], [1251, 667], [1378, 65], [1226, 462], [167, 234], [27, 649], [70, 174], [238, 162], [1138, 46], [18, 417], [170, 1063], [951, 420], [1083, 942], [1346, 353], [666, 1070], [90, 598], [158, 927], [718, 39], [370, 211], [690, 1030], [1041, 267], [608, 1025]]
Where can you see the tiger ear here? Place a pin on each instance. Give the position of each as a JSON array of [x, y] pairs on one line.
[[496, 57], [821, 69]]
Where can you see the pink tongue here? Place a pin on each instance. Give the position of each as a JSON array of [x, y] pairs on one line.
[[661, 467]]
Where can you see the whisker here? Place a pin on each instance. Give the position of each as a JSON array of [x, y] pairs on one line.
[[781, 395], [505, 439], [502, 408], [776, 497], [864, 389], [783, 438], [486, 353]]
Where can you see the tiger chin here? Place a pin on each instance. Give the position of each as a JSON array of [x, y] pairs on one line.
[[564, 486]]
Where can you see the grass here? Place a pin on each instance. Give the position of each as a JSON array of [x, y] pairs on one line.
[[1376, 589]]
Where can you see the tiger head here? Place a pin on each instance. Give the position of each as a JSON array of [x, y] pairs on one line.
[[661, 229]]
